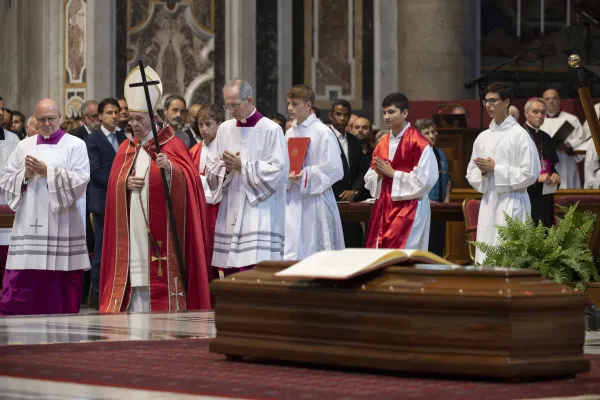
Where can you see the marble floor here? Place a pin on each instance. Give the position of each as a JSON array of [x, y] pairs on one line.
[[91, 326]]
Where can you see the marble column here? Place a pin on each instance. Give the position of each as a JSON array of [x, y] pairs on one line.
[[436, 48], [32, 52], [101, 52], [240, 41], [284, 52], [385, 50]]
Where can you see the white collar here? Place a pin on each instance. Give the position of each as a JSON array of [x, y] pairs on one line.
[[338, 133], [307, 122], [529, 125], [106, 131], [147, 137], [398, 136], [245, 120]]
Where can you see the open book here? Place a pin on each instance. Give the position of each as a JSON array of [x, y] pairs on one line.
[[348, 263]]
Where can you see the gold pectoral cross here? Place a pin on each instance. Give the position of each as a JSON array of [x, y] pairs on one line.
[[159, 259]]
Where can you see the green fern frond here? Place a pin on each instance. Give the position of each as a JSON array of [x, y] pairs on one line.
[[560, 253]]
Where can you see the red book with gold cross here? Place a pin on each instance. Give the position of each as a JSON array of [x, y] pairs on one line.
[[297, 147]]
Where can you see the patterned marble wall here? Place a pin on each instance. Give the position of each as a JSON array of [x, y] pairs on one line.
[[75, 82], [333, 50], [177, 39]]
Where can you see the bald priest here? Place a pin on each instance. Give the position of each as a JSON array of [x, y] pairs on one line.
[[44, 181], [139, 270]]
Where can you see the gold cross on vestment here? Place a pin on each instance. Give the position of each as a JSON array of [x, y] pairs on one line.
[[159, 259]]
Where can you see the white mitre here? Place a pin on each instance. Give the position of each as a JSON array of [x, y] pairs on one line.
[[135, 96]]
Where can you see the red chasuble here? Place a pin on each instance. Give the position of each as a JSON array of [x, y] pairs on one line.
[[189, 209], [391, 221]]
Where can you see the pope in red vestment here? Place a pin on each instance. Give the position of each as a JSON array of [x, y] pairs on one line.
[[164, 288]]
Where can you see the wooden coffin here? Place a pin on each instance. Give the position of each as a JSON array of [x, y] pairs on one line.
[[495, 323]]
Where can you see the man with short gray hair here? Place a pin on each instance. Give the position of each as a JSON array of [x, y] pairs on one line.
[[542, 205], [247, 170], [89, 114]]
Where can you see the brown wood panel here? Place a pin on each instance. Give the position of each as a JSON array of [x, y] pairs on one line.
[[458, 146], [497, 323]]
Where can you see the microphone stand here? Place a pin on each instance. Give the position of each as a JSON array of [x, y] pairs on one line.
[[481, 80]]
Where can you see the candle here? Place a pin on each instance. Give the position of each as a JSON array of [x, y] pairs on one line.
[[568, 12]]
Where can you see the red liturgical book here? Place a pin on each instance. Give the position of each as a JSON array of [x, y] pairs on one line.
[[297, 151]]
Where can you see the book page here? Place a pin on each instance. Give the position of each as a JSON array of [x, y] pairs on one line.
[[547, 189], [343, 264]]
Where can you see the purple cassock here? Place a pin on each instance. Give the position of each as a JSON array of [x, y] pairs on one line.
[[51, 287]]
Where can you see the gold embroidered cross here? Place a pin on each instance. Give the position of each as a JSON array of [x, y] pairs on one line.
[[159, 259]]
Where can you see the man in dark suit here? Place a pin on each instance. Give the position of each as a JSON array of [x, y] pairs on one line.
[[102, 145], [89, 114], [350, 188]]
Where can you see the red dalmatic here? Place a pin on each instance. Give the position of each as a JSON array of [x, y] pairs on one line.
[[391, 221], [190, 212]]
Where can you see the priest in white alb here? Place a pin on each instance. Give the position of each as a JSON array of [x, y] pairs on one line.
[[44, 182], [247, 172], [312, 218], [504, 163], [567, 166], [403, 171]]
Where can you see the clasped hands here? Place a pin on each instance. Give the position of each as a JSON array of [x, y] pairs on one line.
[[383, 168], [295, 177], [549, 179], [35, 166], [233, 162], [485, 165], [137, 182]]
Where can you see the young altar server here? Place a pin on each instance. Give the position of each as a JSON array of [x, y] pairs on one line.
[[44, 182], [402, 173], [504, 163], [207, 121], [312, 218], [247, 172]]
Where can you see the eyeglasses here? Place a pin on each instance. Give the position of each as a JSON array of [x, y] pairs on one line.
[[492, 101], [231, 106], [48, 119], [94, 116]]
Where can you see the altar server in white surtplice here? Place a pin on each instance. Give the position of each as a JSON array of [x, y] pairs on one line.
[[312, 218], [247, 171], [567, 166], [504, 163], [44, 181]]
